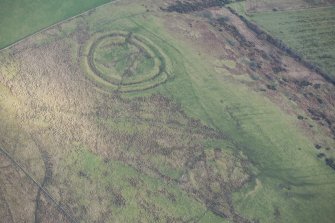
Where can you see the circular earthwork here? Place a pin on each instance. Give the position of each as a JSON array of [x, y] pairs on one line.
[[126, 62]]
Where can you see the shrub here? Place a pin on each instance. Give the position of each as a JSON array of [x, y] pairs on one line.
[[271, 87], [320, 155], [330, 162], [300, 117], [254, 65], [317, 86], [278, 69], [185, 7]]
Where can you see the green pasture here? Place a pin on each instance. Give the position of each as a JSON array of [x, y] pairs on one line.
[[89, 176], [19, 19], [311, 32], [288, 182], [294, 185]]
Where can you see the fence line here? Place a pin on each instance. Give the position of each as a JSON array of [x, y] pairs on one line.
[[55, 24], [51, 198]]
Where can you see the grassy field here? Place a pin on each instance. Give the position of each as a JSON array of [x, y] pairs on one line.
[[310, 32], [270, 142], [195, 147], [270, 5], [19, 19]]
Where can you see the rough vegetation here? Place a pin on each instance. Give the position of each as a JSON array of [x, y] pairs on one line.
[[192, 6], [235, 131], [306, 34]]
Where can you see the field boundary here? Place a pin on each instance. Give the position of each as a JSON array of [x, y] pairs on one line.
[[58, 205], [290, 10], [282, 46], [55, 24]]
